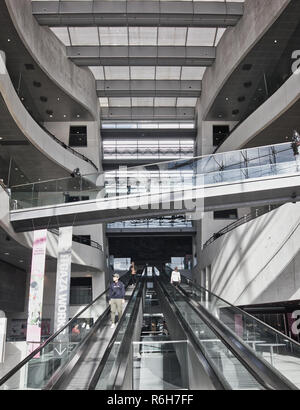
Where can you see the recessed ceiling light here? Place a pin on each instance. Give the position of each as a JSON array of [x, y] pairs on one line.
[[1, 138], [275, 41], [21, 261], [78, 116], [9, 40], [65, 116], [7, 253], [58, 99]]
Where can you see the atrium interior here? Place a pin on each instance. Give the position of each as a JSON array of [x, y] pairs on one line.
[[150, 195]]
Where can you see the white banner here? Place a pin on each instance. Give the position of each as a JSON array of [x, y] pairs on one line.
[[36, 289], [63, 279], [3, 327]]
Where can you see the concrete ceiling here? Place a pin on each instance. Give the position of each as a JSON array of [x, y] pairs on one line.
[[39, 94], [144, 39], [265, 67], [138, 13]]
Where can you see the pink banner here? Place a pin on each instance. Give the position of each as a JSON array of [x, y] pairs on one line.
[[35, 303]]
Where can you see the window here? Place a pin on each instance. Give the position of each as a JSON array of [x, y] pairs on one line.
[[81, 291], [228, 214], [220, 133], [70, 198], [83, 239], [78, 136]]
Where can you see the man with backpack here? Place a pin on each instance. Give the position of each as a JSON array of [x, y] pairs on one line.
[[116, 299]]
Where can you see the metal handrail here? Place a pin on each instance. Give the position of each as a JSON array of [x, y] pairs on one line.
[[49, 340], [77, 238], [264, 373], [68, 148], [241, 311], [97, 374], [237, 223], [177, 163], [217, 377]]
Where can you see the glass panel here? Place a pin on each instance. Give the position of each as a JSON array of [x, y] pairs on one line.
[[36, 374], [105, 381], [171, 175], [156, 365], [274, 347], [223, 360]]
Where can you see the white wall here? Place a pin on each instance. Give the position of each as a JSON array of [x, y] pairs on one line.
[[259, 262], [208, 225]]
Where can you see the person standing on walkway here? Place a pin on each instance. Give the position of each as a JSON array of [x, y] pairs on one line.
[[175, 277], [116, 299], [133, 274]]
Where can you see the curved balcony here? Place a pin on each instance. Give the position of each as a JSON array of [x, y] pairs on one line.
[[27, 128], [84, 257], [278, 114], [77, 83]]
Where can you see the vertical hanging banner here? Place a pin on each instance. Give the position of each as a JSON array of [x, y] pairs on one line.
[[62, 296], [35, 304], [3, 327]]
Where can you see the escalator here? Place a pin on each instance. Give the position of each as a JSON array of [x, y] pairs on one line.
[[168, 338], [197, 354], [57, 363], [274, 353]]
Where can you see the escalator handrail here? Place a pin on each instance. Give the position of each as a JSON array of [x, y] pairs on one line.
[[258, 367], [59, 376], [94, 381], [241, 311], [218, 379], [124, 351], [35, 352]]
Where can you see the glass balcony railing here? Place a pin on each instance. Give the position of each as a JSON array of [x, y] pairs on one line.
[[37, 370], [281, 352], [217, 353], [164, 177], [155, 223]]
